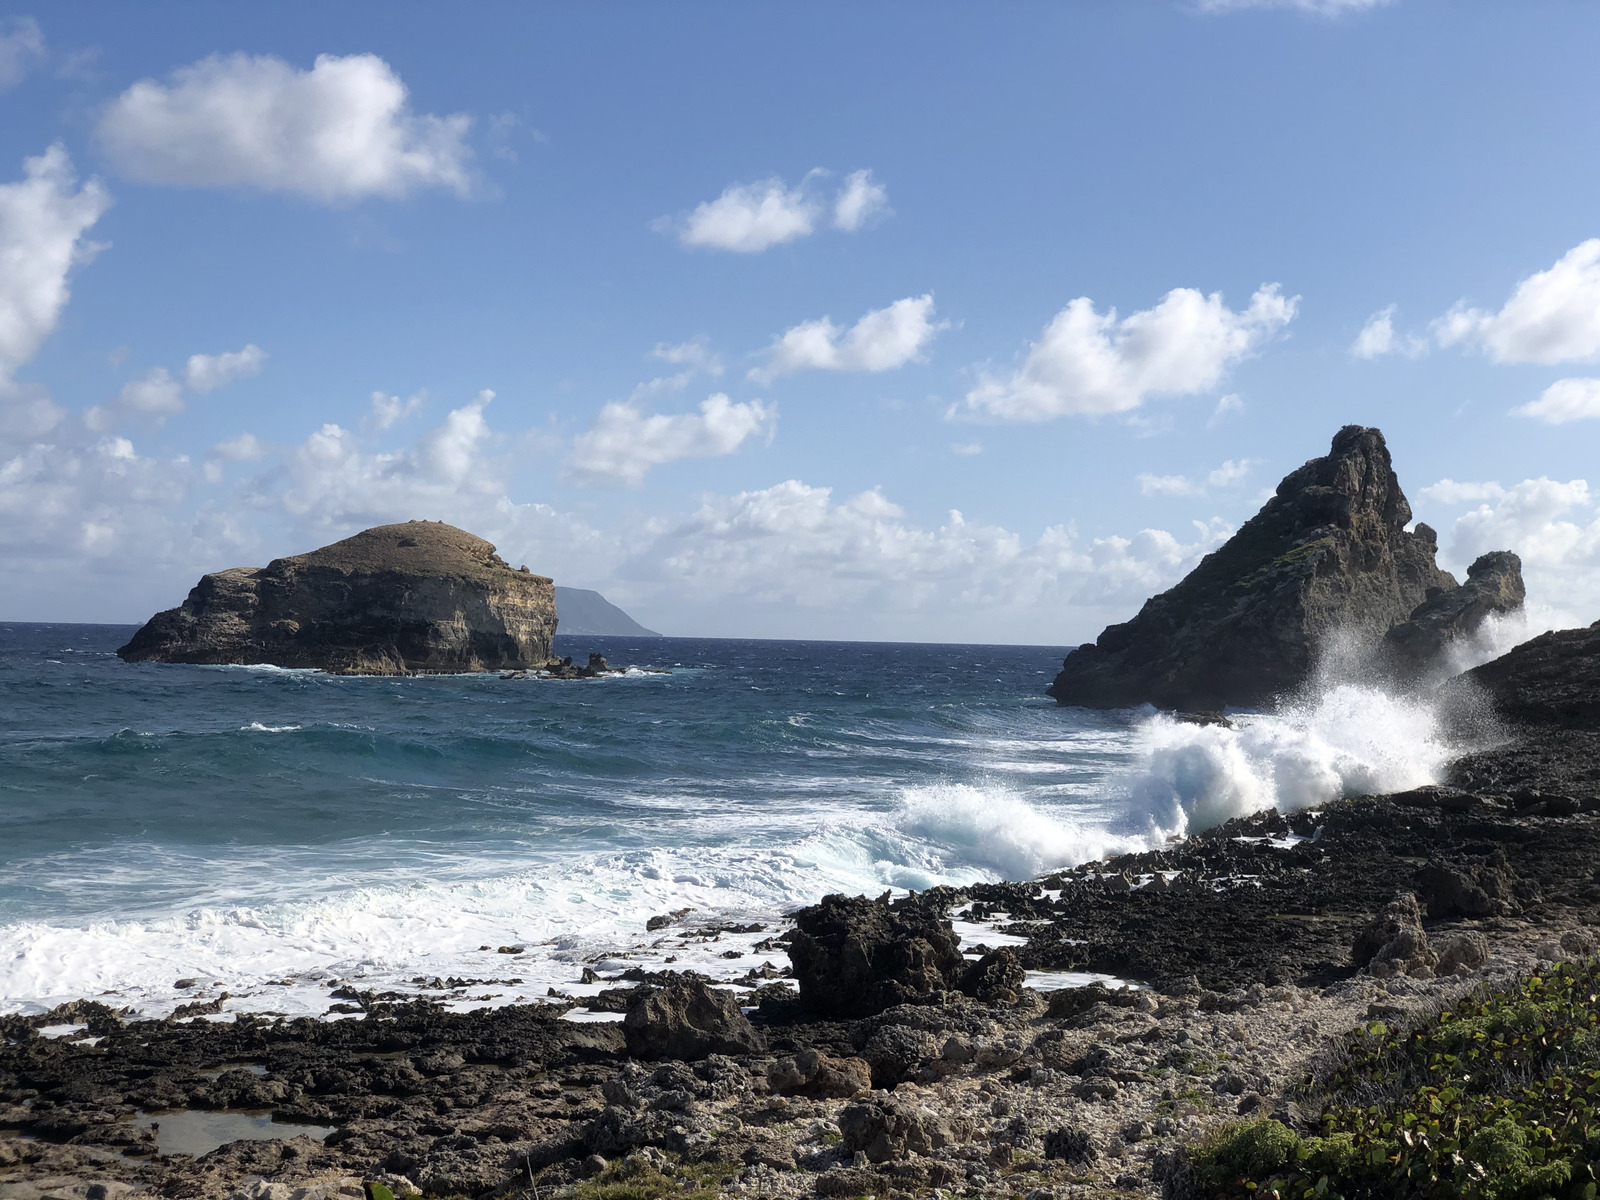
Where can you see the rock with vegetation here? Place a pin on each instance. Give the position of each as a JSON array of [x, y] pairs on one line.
[[1493, 587], [1328, 556], [416, 597]]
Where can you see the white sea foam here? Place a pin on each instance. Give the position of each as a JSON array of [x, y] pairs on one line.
[[1350, 740], [258, 727]]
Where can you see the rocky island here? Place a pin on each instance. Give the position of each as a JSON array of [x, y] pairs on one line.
[[1329, 556], [421, 596]]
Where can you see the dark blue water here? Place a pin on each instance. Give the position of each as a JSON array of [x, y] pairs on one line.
[[158, 821]]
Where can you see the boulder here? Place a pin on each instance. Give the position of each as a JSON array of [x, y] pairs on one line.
[[1480, 888], [1463, 951], [1493, 586], [1394, 943], [887, 1130], [420, 596], [687, 1019], [996, 978], [855, 957], [1328, 555], [812, 1073]]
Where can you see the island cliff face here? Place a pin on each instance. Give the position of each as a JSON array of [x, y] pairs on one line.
[[396, 599], [1329, 553]]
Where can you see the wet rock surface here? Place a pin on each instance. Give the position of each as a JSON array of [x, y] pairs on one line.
[[1329, 553]]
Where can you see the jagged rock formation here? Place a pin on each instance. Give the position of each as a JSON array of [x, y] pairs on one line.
[[1328, 554], [1494, 585], [421, 596], [855, 957]]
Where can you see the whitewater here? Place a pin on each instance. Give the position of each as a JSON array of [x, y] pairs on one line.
[[174, 831]]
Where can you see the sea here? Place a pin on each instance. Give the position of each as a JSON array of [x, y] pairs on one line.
[[169, 833]]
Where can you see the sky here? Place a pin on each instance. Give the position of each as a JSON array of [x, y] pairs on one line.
[[889, 321]]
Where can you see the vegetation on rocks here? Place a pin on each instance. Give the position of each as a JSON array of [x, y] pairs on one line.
[[1495, 1098]]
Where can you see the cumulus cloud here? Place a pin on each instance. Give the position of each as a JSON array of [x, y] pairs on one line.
[[388, 411], [880, 341], [751, 217], [151, 399], [1552, 317], [1378, 338], [1230, 473], [1448, 491], [695, 354], [336, 133], [860, 200], [43, 218], [1314, 8], [794, 546], [1227, 406], [1554, 528], [206, 372], [1089, 363], [625, 443], [1564, 400], [21, 45]]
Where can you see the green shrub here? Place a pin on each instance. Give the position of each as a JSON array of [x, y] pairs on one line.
[[1497, 1099]]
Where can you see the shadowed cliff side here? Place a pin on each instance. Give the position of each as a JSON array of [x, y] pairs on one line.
[[1329, 553], [420, 596]]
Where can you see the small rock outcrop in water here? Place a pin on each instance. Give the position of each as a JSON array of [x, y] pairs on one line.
[[421, 596], [1494, 585], [1329, 553]]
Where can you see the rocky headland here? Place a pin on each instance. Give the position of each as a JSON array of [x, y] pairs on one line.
[[421, 596], [1327, 565]]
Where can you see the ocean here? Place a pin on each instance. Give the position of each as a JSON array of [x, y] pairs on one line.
[[274, 834]]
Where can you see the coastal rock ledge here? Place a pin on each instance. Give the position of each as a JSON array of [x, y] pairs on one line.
[[421, 596], [1328, 556]]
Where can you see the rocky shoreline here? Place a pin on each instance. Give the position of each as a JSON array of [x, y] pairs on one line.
[[909, 1065]]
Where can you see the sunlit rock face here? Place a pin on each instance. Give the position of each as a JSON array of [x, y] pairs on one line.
[[416, 597]]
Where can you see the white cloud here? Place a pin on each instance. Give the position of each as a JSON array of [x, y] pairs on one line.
[[1226, 407], [625, 444], [880, 341], [1448, 491], [43, 218], [206, 372], [244, 448], [1315, 8], [1552, 317], [21, 44], [1553, 527], [751, 217], [388, 411], [338, 132], [1087, 363], [695, 354], [861, 199], [1230, 473], [151, 399], [1564, 400], [1378, 338], [966, 449], [792, 546]]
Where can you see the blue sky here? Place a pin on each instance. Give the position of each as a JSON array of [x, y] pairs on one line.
[[765, 293]]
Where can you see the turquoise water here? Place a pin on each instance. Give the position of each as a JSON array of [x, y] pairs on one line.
[[246, 824]]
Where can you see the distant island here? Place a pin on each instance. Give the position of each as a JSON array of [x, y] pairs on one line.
[[585, 611]]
